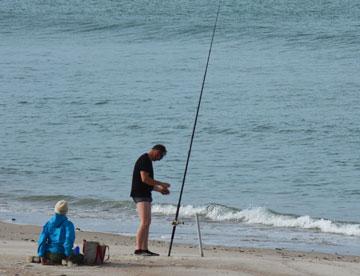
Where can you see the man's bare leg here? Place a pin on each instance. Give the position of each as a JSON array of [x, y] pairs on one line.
[[142, 235]]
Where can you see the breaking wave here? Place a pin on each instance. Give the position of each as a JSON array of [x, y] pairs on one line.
[[79, 202], [212, 213], [261, 215]]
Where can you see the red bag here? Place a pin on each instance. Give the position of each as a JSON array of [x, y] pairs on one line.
[[94, 252]]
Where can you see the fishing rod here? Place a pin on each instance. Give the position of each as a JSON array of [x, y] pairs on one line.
[[175, 222]]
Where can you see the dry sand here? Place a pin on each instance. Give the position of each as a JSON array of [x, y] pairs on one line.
[[19, 241]]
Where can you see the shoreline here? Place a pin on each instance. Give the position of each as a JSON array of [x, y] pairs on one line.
[[19, 241]]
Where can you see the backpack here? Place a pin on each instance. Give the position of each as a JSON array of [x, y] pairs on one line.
[[94, 252]]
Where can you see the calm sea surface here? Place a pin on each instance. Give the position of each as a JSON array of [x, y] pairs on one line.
[[87, 87]]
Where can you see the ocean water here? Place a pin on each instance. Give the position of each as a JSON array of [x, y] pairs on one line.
[[87, 87]]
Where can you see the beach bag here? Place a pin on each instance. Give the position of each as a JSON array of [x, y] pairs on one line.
[[94, 252]]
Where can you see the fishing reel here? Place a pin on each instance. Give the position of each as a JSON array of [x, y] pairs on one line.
[[177, 222]]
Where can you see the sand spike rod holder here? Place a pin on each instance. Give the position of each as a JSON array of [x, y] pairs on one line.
[[175, 222]]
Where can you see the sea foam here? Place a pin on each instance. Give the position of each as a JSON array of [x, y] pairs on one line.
[[260, 215]]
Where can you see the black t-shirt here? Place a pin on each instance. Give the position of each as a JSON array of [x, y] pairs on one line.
[[139, 188]]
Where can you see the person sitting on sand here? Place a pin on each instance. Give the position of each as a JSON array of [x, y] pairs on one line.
[[57, 238]]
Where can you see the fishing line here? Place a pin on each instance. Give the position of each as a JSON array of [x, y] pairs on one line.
[[175, 222]]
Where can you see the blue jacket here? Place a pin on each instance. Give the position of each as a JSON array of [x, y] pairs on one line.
[[57, 236]]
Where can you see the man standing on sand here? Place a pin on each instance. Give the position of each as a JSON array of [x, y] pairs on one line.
[[143, 183]]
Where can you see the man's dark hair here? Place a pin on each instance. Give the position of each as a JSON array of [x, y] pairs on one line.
[[160, 148]]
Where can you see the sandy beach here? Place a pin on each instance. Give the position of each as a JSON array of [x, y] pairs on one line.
[[19, 241]]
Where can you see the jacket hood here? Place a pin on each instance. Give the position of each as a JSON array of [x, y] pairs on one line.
[[56, 220]]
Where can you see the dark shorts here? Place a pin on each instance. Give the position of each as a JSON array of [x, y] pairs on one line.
[[56, 258], [142, 199]]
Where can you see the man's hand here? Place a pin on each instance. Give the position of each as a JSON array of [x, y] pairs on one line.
[[165, 191], [166, 185], [162, 188]]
